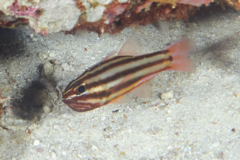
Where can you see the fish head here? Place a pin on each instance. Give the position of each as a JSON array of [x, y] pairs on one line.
[[77, 97]]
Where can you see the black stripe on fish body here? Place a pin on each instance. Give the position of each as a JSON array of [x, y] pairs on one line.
[[96, 69], [133, 81], [106, 94], [117, 63], [170, 58], [113, 63], [129, 84], [78, 82], [125, 73]]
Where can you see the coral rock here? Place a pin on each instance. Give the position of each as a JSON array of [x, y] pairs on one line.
[[47, 16]]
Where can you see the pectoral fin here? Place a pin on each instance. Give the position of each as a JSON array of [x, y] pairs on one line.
[[143, 91]]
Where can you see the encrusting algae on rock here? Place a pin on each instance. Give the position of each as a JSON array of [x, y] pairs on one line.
[[100, 16]]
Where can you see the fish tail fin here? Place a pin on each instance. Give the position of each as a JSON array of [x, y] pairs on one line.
[[179, 52]]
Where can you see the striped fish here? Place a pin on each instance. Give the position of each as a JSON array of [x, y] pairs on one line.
[[117, 75]]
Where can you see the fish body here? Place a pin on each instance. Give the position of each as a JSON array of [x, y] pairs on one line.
[[115, 76]]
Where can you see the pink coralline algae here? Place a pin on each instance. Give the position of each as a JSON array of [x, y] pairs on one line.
[[145, 5], [18, 10], [114, 10]]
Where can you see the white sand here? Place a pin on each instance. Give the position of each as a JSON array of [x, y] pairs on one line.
[[196, 123]]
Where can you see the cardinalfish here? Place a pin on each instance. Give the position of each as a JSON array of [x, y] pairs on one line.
[[119, 74]]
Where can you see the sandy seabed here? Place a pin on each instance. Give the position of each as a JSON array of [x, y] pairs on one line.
[[199, 118]]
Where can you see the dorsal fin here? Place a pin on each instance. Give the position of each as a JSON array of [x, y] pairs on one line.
[[131, 47]]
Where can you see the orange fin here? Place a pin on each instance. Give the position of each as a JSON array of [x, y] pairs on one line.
[[143, 91], [131, 47], [180, 60]]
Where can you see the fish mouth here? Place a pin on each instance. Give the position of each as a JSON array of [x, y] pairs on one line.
[[72, 104], [66, 101], [79, 107]]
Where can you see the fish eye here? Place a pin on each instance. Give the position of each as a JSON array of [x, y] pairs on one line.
[[81, 89]]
